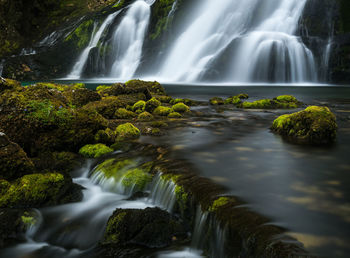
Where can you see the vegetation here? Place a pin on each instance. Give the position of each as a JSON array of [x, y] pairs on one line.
[[95, 150]]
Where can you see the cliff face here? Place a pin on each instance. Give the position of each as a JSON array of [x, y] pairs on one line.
[[325, 29], [42, 39]]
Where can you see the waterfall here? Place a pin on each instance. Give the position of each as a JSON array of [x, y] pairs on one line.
[[163, 193], [95, 38], [243, 41], [128, 40]]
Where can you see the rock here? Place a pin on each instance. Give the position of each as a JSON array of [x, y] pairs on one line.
[[127, 131], [216, 101], [138, 85], [105, 136], [95, 150], [145, 116], [123, 113], [8, 84], [180, 108], [314, 125], [174, 115], [280, 102], [81, 97], [139, 107], [152, 228], [162, 111], [113, 90], [152, 104], [38, 190], [14, 161]]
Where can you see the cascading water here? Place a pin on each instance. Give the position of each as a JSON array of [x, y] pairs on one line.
[[128, 40], [252, 40], [95, 38], [2, 63]]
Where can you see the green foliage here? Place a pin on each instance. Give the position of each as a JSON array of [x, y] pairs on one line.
[[94, 150]]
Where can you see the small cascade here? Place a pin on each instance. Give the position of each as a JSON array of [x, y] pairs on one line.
[[171, 13], [95, 38], [200, 228], [128, 40], [163, 193]]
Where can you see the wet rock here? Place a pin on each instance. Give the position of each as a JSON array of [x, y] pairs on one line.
[[314, 125], [95, 150], [152, 228], [81, 97], [12, 227], [14, 161], [216, 101], [127, 131], [38, 190], [180, 108]]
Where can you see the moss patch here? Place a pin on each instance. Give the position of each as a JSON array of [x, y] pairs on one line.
[[180, 108], [127, 131], [95, 150], [162, 111], [136, 178]]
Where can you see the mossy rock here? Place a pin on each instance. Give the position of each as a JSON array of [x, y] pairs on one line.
[[105, 136], [280, 102], [136, 179], [14, 161], [216, 101], [235, 100], [38, 190], [127, 131], [174, 115], [221, 201], [164, 99], [152, 104], [9, 84], [180, 108], [145, 116], [151, 227], [153, 87], [159, 124], [314, 125], [162, 111], [123, 113], [112, 90], [95, 150], [187, 102], [61, 87], [114, 168], [139, 107], [81, 96]]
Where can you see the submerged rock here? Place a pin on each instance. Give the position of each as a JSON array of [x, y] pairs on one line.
[[38, 190], [14, 161], [314, 125], [151, 228], [282, 102]]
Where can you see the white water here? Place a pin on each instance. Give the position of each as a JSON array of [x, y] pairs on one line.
[[128, 40], [95, 38], [256, 32]]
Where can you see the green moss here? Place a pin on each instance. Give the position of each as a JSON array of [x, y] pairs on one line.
[[145, 116], [111, 235], [127, 132], [216, 101], [182, 198], [61, 87], [105, 136], [162, 111], [153, 87], [81, 35], [164, 99], [159, 124], [28, 220], [174, 115], [180, 108], [119, 4], [286, 99], [139, 106], [235, 100], [95, 150], [34, 190], [283, 103], [102, 88], [169, 176], [136, 178], [315, 125], [122, 113], [152, 104], [219, 203], [112, 168]]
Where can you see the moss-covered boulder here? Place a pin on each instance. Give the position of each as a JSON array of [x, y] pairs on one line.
[[112, 90], [136, 179], [14, 161], [314, 125], [8, 84], [123, 113], [152, 228], [139, 107], [152, 104], [127, 131], [81, 96], [95, 150], [138, 85], [162, 111], [145, 116], [174, 115], [38, 190], [180, 108], [105, 136], [115, 168], [216, 101], [280, 102]]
